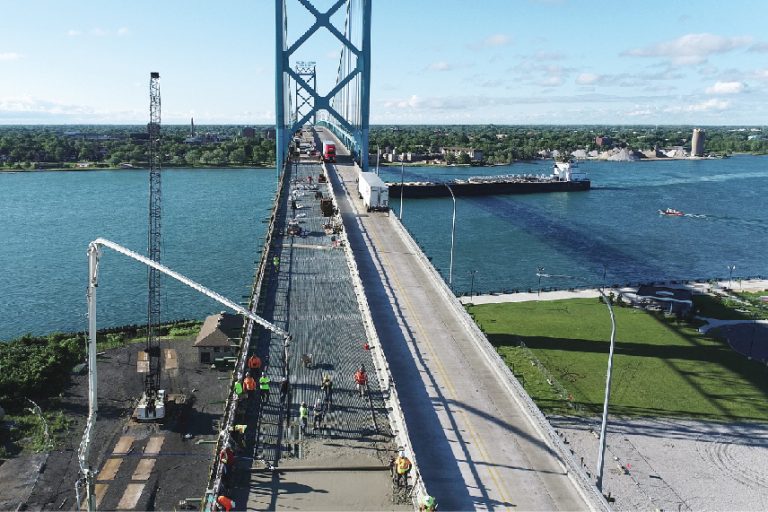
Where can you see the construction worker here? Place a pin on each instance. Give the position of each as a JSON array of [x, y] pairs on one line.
[[428, 504], [285, 386], [254, 365], [264, 388], [237, 433], [303, 417], [276, 262], [361, 380], [227, 459], [327, 387], [317, 417], [224, 503], [249, 384], [402, 469]]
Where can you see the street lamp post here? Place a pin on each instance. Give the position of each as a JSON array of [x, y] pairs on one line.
[[731, 268], [539, 271], [453, 236], [472, 284], [604, 424], [402, 177]]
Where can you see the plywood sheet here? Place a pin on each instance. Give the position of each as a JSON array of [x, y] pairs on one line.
[[153, 445], [144, 469], [130, 497], [123, 445], [109, 470]]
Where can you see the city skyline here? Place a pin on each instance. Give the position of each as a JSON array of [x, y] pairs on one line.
[[505, 62]]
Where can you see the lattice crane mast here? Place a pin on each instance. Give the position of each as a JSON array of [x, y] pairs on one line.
[[152, 403]]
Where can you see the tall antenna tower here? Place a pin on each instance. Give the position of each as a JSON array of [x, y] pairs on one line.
[[152, 403]]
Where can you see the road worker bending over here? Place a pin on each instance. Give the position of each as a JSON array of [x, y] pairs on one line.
[[428, 504], [402, 469]]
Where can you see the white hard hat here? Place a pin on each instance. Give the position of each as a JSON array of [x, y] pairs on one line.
[[401, 453]]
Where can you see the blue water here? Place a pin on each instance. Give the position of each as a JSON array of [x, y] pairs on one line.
[[614, 228], [211, 233], [212, 226]]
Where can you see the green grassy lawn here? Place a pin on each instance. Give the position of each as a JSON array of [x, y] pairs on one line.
[[661, 367]]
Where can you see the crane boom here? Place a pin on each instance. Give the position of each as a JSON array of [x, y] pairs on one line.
[[151, 406]]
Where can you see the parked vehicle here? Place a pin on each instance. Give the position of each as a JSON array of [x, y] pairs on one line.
[[373, 191]]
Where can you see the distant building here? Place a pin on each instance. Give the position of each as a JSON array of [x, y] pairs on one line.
[[269, 134], [191, 126], [602, 140], [248, 132], [697, 142], [475, 155], [214, 340]]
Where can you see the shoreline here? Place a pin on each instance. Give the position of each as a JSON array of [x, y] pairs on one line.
[[137, 168], [589, 293]]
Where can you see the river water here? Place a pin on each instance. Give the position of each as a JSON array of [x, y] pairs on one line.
[[615, 228], [211, 225], [212, 232]]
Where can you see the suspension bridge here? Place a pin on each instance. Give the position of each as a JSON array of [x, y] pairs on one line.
[[354, 289], [337, 289]]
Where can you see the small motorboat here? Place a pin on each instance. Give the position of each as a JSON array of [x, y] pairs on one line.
[[671, 212]]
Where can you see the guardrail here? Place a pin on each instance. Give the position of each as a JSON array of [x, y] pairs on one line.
[[571, 466], [383, 373], [230, 408]]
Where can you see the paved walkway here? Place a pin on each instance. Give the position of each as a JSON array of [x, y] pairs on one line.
[[475, 445]]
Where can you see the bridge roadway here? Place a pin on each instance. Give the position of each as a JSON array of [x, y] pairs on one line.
[[477, 445]]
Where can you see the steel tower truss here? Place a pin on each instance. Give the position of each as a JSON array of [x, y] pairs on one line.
[[345, 108], [152, 377], [304, 99]]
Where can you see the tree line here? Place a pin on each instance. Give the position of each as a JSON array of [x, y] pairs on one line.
[[24, 147]]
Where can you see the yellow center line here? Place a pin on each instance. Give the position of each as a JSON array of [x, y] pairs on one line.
[[443, 374]]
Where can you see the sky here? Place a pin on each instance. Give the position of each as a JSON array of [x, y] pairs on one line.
[[702, 62]]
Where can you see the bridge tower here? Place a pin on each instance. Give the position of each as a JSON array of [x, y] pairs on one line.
[[345, 109], [303, 98]]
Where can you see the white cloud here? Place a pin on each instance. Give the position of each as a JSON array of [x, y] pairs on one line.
[[759, 48], [497, 40], [98, 32], [8, 56], [690, 49], [704, 106], [74, 33], [493, 41], [440, 66], [123, 31], [726, 88], [761, 74], [588, 79]]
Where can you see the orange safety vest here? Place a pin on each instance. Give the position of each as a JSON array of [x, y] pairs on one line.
[[249, 383], [361, 377], [403, 465], [225, 502], [254, 362]]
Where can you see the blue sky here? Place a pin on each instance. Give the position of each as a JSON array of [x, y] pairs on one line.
[[701, 62]]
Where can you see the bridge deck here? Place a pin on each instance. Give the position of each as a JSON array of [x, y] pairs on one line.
[[310, 294], [475, 447]]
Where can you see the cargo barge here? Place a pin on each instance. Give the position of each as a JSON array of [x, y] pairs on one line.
[[565, 177]]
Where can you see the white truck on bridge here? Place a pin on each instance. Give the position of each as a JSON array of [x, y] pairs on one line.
[[373, 191]]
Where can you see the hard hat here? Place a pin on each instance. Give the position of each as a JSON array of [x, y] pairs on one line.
[[401, 453], [234, 504], [303, 403]]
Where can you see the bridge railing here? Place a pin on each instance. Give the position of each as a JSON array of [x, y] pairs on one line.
[[571, 466], [230, 409], [383, 372]]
